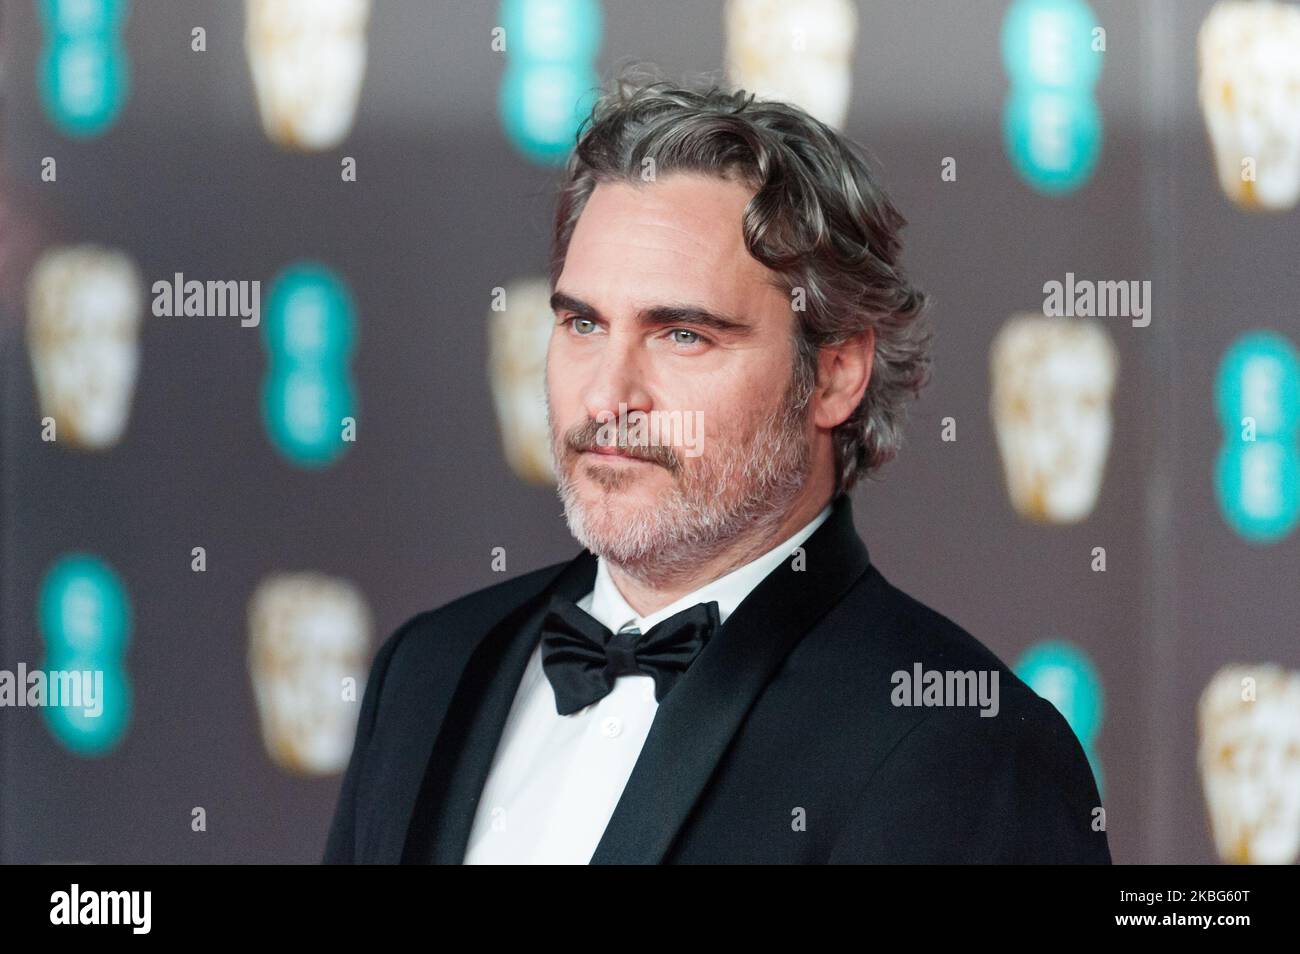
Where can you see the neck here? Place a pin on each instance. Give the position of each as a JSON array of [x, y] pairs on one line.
[[649, 592]]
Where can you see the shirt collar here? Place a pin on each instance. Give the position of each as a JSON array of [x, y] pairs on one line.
[[612, 611]]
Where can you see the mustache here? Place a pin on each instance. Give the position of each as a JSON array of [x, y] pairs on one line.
[[586, 437]]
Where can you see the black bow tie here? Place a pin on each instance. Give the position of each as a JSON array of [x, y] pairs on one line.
[[582, 658]]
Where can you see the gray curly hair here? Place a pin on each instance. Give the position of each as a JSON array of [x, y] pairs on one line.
[[817, 219]]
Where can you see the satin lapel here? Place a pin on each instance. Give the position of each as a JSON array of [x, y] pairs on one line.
[[698, 718], [400, 766], [456, 765]]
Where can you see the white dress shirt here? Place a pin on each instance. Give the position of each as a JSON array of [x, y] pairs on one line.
[[555, 779]]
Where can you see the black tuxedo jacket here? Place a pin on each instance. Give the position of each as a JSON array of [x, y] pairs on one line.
[[780, 744]]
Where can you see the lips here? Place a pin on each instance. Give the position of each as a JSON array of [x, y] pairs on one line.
[[615, 453]]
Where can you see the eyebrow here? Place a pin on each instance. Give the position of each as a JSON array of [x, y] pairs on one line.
[[659, 315]]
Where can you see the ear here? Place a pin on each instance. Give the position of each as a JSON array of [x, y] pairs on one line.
[[843, 372]]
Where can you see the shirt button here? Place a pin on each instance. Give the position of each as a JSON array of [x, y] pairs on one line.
[[612, 727]]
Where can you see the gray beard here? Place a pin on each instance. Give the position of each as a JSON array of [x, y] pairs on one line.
[[744, 495]]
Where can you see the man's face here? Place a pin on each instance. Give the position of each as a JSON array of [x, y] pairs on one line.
[[660, 308]]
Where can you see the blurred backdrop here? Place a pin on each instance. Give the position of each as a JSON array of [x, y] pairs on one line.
[[223, 497]]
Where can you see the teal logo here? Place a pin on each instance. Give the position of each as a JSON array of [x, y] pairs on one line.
[[1051, 124], [84, 617], [1062, 674], [1257, 472], [83, 75], [550, 82], [309, 403]]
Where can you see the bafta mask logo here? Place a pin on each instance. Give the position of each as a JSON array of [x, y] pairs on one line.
[[310, 636], [796, 52], [1250, 95], [1053, 379], [1249, 720], [519, 332], [308, 60], [84, 307]]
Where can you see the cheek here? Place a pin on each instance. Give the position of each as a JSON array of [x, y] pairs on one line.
[[729, 408], [561, 381], [746, 389]]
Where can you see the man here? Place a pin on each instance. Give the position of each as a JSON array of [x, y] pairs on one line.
[[721, 675]]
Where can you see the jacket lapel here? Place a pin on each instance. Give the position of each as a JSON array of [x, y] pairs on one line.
[[458, 752], [400, 765], [698, 718]]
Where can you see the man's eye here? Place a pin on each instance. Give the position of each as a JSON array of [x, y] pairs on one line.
[[684, 336], [582, 326]]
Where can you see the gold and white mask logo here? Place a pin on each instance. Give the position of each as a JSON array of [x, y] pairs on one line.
[[800, 53], [309, 640], [1250, 95], [308, 60], [84, 307], [1249, 720], [1053, 379], [518, 337]]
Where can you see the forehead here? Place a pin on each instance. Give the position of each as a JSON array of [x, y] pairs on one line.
[[679, 239]]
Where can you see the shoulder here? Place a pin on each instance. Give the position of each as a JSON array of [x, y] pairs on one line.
[[1013, 732], [972, 764], [932, 679], [493, 602], [883, 626], [928, 636], [455, 625]]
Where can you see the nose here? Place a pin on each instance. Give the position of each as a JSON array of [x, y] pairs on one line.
[[617, 378]]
